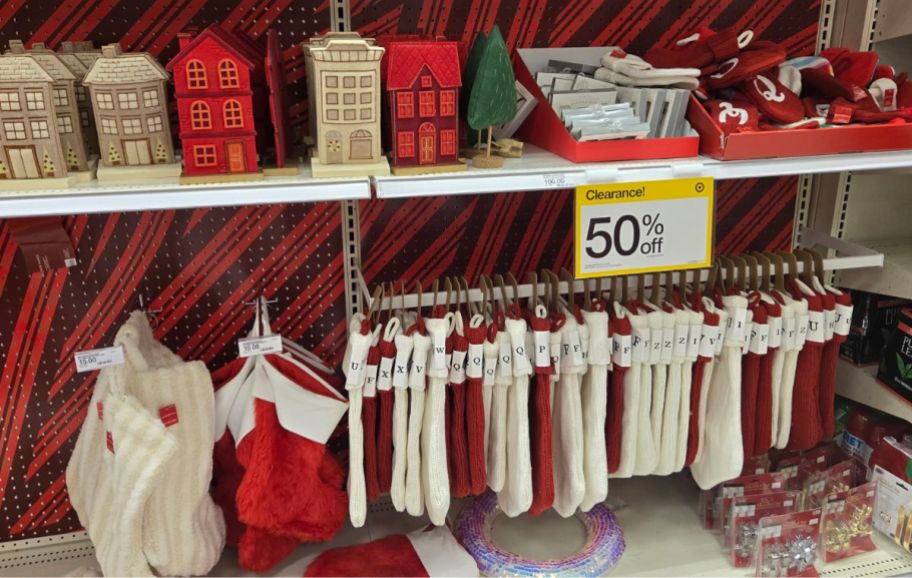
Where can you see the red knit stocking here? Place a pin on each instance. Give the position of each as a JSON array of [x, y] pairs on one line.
[[763, 440], [615, 414], [369, 419], [460, 459], [750, 383], [385, 439], [805, 430], [828, 366], [696, 393], [475, 418], [540, 425]]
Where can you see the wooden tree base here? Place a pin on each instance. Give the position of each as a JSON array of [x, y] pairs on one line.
[[471, 153], [15, 187], [169, 173], [487, 162]]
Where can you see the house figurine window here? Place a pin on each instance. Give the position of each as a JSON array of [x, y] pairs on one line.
[[426, 103], [196, 75], [200, 118], [448, 142], [154, 123], [34, 100], [447, 103], [127, 100], [204, 155], [232, 113], [405, 105], [228, 74], [405, 144], [426, 81], [150, 98], [64, 124], [40, 129], [60, 97]]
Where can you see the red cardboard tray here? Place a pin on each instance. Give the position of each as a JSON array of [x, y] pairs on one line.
[[794, 143], [545, 129]]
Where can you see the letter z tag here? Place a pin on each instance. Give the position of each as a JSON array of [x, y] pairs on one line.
[[680, 341]]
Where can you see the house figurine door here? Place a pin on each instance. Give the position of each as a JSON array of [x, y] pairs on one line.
[[138, 152], [23, 163], [427, 144], [235, 155]]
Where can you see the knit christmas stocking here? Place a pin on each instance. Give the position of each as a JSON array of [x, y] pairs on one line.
[[647, 455], [805, 430], [841, 321], [694, 332], [722, 455], [369, 419], [669, 371], [475, 418], [491, 354], [633, 390], [792, 312], [400, 420], [767, 395], [355, 370], [540, 416], [826, 395], [434, 475], [385, 396], [497, 443], [750, 375], [617, 408], [567, 428], [516, 496], [594, 401], [414, 495], [458, 450], [710, 339]]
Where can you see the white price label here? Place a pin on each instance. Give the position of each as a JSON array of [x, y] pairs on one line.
[[93, 359], [249, 346], [770, 531], [629, 228]]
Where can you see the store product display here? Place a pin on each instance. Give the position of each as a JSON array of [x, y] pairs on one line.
[[601, 552]]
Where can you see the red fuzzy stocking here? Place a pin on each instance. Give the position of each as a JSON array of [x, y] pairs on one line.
[[369, 419], [614, 423], [475, 418], [540, 420], [696, 391], [385, 438], [750, 383], [805, 430], [842, 315]]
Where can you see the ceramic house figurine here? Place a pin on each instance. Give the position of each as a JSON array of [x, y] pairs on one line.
[[219, 83], [422, 81], [32, 155], [66, 108], [130, 105], [344, 93], [79, 58]]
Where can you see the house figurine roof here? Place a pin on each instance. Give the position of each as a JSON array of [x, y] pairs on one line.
[[48, 60], [406, 60], [18, 68], [116, 67], [69, 59], [244, 47], [343, 47]]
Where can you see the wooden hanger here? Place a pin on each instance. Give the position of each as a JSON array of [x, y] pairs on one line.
[[752, 264], [571, 292], [764, 262], [641, 288], [792, 263]]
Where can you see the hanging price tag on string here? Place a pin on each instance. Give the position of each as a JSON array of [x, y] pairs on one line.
[[645, 227], [93, 359], [249, 346]]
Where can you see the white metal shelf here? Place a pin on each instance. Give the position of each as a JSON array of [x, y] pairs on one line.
[[95, 197], [860, 384], [541, 170], [896, 277]]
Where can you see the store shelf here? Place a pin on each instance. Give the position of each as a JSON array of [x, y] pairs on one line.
[[658, 514], [94, 197], [860, 384], [894, 279], [541, 170]]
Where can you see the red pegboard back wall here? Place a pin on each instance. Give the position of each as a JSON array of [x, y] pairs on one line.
[[200, 266]]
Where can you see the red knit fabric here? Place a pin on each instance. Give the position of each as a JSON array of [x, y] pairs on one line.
[[390, 556], [385, 438], [458, 452], [369, 423], [540, 431], [805, 430], [696, 394], [828, 371], [475, 421], [615, 412], [763, 440], [750, 383]]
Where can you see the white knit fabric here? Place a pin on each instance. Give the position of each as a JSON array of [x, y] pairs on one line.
[[434, 476], [567, 447], [651, 395], [632, 389], [711, 336], [487, 392], [594, 404], [516, 495], [355, 375], [669, 446], [400, 420], [793, 313], [722, 457], [497, 439], [414, 495]]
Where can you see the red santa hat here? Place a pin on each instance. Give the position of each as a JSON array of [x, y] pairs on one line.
[[432, 552]]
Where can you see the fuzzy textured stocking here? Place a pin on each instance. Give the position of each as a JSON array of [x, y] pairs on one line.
[[647, 455], [694, 332], [667, 386], [540, 417], [766, 393], [595, 401], [369, 421], [385, 397], [750, 377], [632, 395], [794, 313]]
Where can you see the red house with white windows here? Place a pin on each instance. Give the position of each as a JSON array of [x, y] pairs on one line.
[[220, 86], [422, 83]]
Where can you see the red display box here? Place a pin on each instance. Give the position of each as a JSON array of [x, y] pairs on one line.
[[545, 129], [795, 143]]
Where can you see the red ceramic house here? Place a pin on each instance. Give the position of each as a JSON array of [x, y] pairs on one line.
[[219, 87], [422, 84]]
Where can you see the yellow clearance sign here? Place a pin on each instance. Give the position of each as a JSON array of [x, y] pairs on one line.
[[645, 227]]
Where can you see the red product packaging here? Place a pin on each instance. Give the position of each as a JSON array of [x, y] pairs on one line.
[[787, 544], [789, 468], [753, 485], [747, 511], [706, 508], [847, 528], [756, 465], [893, 457], [820, 484]]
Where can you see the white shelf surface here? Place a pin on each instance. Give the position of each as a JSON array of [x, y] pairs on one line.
[[894, 279], [658, 515], [95, 197], [860, 384], [538, 169]]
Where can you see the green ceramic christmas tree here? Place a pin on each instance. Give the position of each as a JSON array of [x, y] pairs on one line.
[[493, 94]]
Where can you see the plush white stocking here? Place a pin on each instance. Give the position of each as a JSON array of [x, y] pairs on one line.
[[595, 402]]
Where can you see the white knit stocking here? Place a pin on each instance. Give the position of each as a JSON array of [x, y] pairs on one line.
[[648, 428], [516, 495], [793, 313], [434, 476], [632, 389], [497, 442], [404, 345], [594, 402], [355, 374], [567, 425], [694, 332]]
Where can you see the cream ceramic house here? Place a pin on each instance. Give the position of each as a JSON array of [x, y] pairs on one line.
[[129, 101], [343, 73], [32, 155], [65, 106], [79, 64]]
